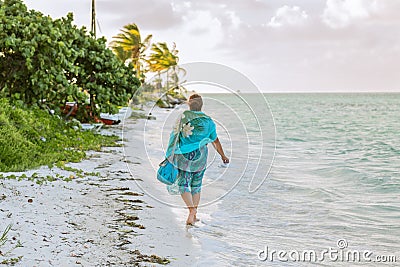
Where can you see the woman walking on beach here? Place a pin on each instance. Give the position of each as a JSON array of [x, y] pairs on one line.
[[189, 153]]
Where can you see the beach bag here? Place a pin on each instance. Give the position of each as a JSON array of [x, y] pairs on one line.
[[167, 173]]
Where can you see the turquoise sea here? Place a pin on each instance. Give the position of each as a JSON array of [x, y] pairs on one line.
[[333, 180]]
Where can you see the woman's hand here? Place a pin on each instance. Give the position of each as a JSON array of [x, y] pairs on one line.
[[218, 147]]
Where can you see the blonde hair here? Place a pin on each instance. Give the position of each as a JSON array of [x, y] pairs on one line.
[[195, 102]]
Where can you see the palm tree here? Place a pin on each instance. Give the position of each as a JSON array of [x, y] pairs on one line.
[[162, 59], [122, 54], [128, 47], [165, 61]]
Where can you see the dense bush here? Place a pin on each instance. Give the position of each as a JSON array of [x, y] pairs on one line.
[[31, 138], [48, 62]]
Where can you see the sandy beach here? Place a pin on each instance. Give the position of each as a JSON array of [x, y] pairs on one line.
[[103, 217]]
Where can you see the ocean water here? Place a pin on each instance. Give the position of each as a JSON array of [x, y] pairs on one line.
[[308, 172]]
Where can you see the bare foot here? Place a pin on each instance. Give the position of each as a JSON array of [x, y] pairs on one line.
[[190, 220], [191, 217]]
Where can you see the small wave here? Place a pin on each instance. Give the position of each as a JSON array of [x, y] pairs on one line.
[[294, 139]]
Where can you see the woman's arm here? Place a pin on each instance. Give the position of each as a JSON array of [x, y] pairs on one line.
[[217, 145]]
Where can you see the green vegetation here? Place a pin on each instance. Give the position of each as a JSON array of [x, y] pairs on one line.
[[41, 179], [3, 237], [11, 261], [165, 60], [3, 240], [46, 63], [128, 47], [32, 138], [162, 60]]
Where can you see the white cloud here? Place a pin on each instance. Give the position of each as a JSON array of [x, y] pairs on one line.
[[306, 45], [235, 20], [341, 13], [196, 37], [287, 15], [148, 14], [200, 21]]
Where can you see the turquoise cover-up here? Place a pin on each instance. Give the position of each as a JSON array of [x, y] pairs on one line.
[[195, 130], [187, 150]]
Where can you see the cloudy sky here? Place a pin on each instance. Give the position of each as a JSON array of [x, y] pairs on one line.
[[281, 45]]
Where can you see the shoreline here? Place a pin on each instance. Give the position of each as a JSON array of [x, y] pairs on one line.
[[103, 218]]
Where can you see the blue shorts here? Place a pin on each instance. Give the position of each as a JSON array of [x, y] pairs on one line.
[[188, 181]]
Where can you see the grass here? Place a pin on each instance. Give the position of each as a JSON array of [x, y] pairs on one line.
[[3, 240], [3, 237], [30, 138], [40, 179], [11, 261]]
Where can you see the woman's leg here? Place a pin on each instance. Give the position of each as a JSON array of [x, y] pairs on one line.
[[196, 188], [187, 198], [196, 201], [184, 188]]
